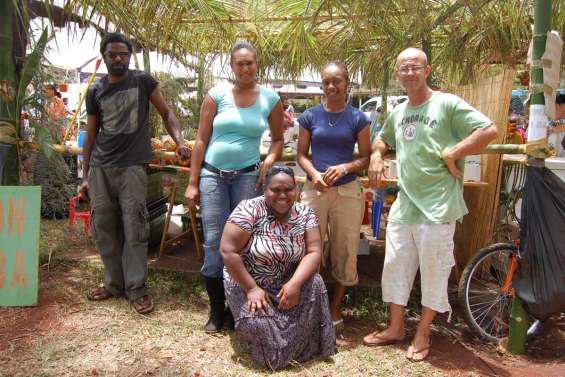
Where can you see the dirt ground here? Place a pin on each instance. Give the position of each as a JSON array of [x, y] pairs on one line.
[[66, 335]]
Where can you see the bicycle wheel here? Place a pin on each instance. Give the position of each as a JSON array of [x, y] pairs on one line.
[[485, 291]]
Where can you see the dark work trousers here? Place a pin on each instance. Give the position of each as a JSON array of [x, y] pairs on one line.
[[120, 227]]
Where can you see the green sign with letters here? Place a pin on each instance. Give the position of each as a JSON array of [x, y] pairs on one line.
[[19, 244]]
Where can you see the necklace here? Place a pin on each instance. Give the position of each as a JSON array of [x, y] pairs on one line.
[[336, 122]]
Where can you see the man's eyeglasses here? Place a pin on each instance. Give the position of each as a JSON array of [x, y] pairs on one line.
[[115, 54], [404, 70]]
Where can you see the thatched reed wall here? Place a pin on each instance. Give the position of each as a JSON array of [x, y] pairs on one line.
[[492, 97]]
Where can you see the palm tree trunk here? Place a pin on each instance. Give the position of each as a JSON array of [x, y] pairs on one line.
[[427, 48], [9, 161], [146, 61]]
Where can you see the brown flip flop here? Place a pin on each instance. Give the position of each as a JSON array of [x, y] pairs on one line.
[[100, 294], [142, 305], [383, 342], [423, 349]]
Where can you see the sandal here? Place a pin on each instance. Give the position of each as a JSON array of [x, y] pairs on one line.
[[142, 305], [100, 294], [380, 341], [421, 350], [339, 326]]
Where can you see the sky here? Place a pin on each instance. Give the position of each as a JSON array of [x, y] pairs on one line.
[[73, 48]]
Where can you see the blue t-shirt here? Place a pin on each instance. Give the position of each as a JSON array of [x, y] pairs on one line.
[[236, 131], [333, 145]]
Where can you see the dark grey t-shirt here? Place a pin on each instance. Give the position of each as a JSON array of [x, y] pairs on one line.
[[123, 117]]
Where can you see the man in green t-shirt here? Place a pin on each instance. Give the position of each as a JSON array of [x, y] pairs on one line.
[[431, 133]]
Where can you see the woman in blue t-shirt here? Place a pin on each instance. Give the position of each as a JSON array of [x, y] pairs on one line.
[[225, 166], [331, 130]]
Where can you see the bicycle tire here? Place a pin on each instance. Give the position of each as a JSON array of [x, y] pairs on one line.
[[495, 310]]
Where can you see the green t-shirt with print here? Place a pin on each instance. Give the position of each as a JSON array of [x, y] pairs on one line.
[[429, 194]]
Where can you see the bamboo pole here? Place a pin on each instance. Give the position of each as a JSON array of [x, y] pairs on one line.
[[75, 115], [542, 23], [233, 20], [534, 148], [518, 328]]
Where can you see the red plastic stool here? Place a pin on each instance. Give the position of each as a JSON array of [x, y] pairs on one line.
[[74, 215]]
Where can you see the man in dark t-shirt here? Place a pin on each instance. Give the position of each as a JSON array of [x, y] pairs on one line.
[[115, 153]]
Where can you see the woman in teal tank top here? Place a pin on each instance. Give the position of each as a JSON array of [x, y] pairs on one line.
[[226, 168]]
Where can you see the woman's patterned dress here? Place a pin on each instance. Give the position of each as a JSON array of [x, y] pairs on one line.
[[271, 256]]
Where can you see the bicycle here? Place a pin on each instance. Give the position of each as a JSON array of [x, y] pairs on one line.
[[485, 291]]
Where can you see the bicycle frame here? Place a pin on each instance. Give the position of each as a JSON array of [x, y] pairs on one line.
[[507, 285]]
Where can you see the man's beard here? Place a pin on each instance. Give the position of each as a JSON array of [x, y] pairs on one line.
[[118, 69]]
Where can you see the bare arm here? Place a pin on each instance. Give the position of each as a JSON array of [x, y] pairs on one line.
[[171, 122], [91, 133], [472, 144], [233, 241], [289, 294], [376, 165], [302, 152], [361, 162], [276, 128], [207, 114], [310, 263]]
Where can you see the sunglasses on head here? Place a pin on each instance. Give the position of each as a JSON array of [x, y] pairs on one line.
[[280, 169]]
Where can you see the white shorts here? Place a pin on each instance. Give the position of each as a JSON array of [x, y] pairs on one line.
[[427, 246]]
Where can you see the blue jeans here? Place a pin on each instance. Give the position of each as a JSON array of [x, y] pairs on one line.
[[218, 198]]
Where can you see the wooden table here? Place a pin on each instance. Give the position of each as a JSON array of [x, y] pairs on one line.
[[165, 243], [179, 171], [365, 182]]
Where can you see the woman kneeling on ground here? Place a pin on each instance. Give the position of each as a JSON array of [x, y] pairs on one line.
[[271, 248]]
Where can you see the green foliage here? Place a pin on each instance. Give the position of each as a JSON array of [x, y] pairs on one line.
[[34, 104], [31, 67], [291, 36], [43, 138], [176, 91]]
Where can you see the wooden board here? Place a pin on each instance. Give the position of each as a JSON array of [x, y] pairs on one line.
[[19, 244]]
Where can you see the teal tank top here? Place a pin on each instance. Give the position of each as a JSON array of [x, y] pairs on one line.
[[236, 132]]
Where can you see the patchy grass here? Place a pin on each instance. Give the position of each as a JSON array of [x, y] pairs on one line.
[[110, 339], [66, 335], [52, 240]]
